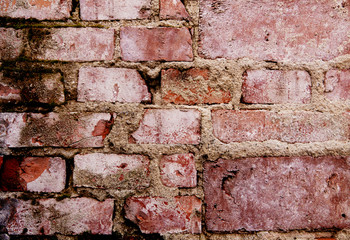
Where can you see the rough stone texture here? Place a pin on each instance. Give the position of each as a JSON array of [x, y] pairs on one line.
[[275, 86], [168, 126], [38, 9], [17, 87], [274, 30], [111, 85], [11, 43], [162, 215], [191, 86], [155, 44], [172, 9], [277, 193], [337, 85], [69, 216], [99, 170], [114, 9], [72, 44], [54, 129], [33, 174], [302, 127], [178, 170]]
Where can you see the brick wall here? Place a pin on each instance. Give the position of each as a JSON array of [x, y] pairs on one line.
[[170, 119]]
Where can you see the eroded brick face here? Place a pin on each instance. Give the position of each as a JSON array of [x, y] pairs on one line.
[[98, 170], [53, 129], [192, 86], [69, 216], [155, 44], [275, 86], [33, 174], [161, 215], [11, 43], [37, 9], [17, 87], [283, 193], [302, 127], [112, 85], [337, 85], [72, 44], [178, 170], [114, 9], [168, 126], [271, 30]]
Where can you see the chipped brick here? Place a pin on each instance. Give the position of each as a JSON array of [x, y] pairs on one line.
[[162, 215], [191, 86], [33, 174], [276, 86], [54, 129], [168, 126], [178, 170], [284, 193], [98, 170], [114, 9], [155, 44], [112, 85], [69, 216]]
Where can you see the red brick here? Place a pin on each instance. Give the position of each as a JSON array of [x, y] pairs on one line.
[[99, 170], [72, 44], [168, 126], [155, 44], [283, 193], [11, 43], [18, 87], [114, 9], [112, 85], [274, 30], [172, 9], [276, 86], [69, 216], [162, 215], [38, 9], [178, 170], [191, 86], [303, 127], [33, 174], [337, 85], [54, 129]]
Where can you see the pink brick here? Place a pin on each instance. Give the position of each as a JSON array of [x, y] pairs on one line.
[[11, 43], [337, 85], [299, 31], [192, 86], [38, 9], [112, 85], [178, 170], [283, 193], [33, 174], [172, 9], [72, 44], [99, 170], [25, 88], [161, 215], [303, 127], [114, 9], [155, 44], [54, 129], [168, 126], [275, 86], [69, 216]]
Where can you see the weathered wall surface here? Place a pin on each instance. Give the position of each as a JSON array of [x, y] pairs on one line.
[[169, 119]]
